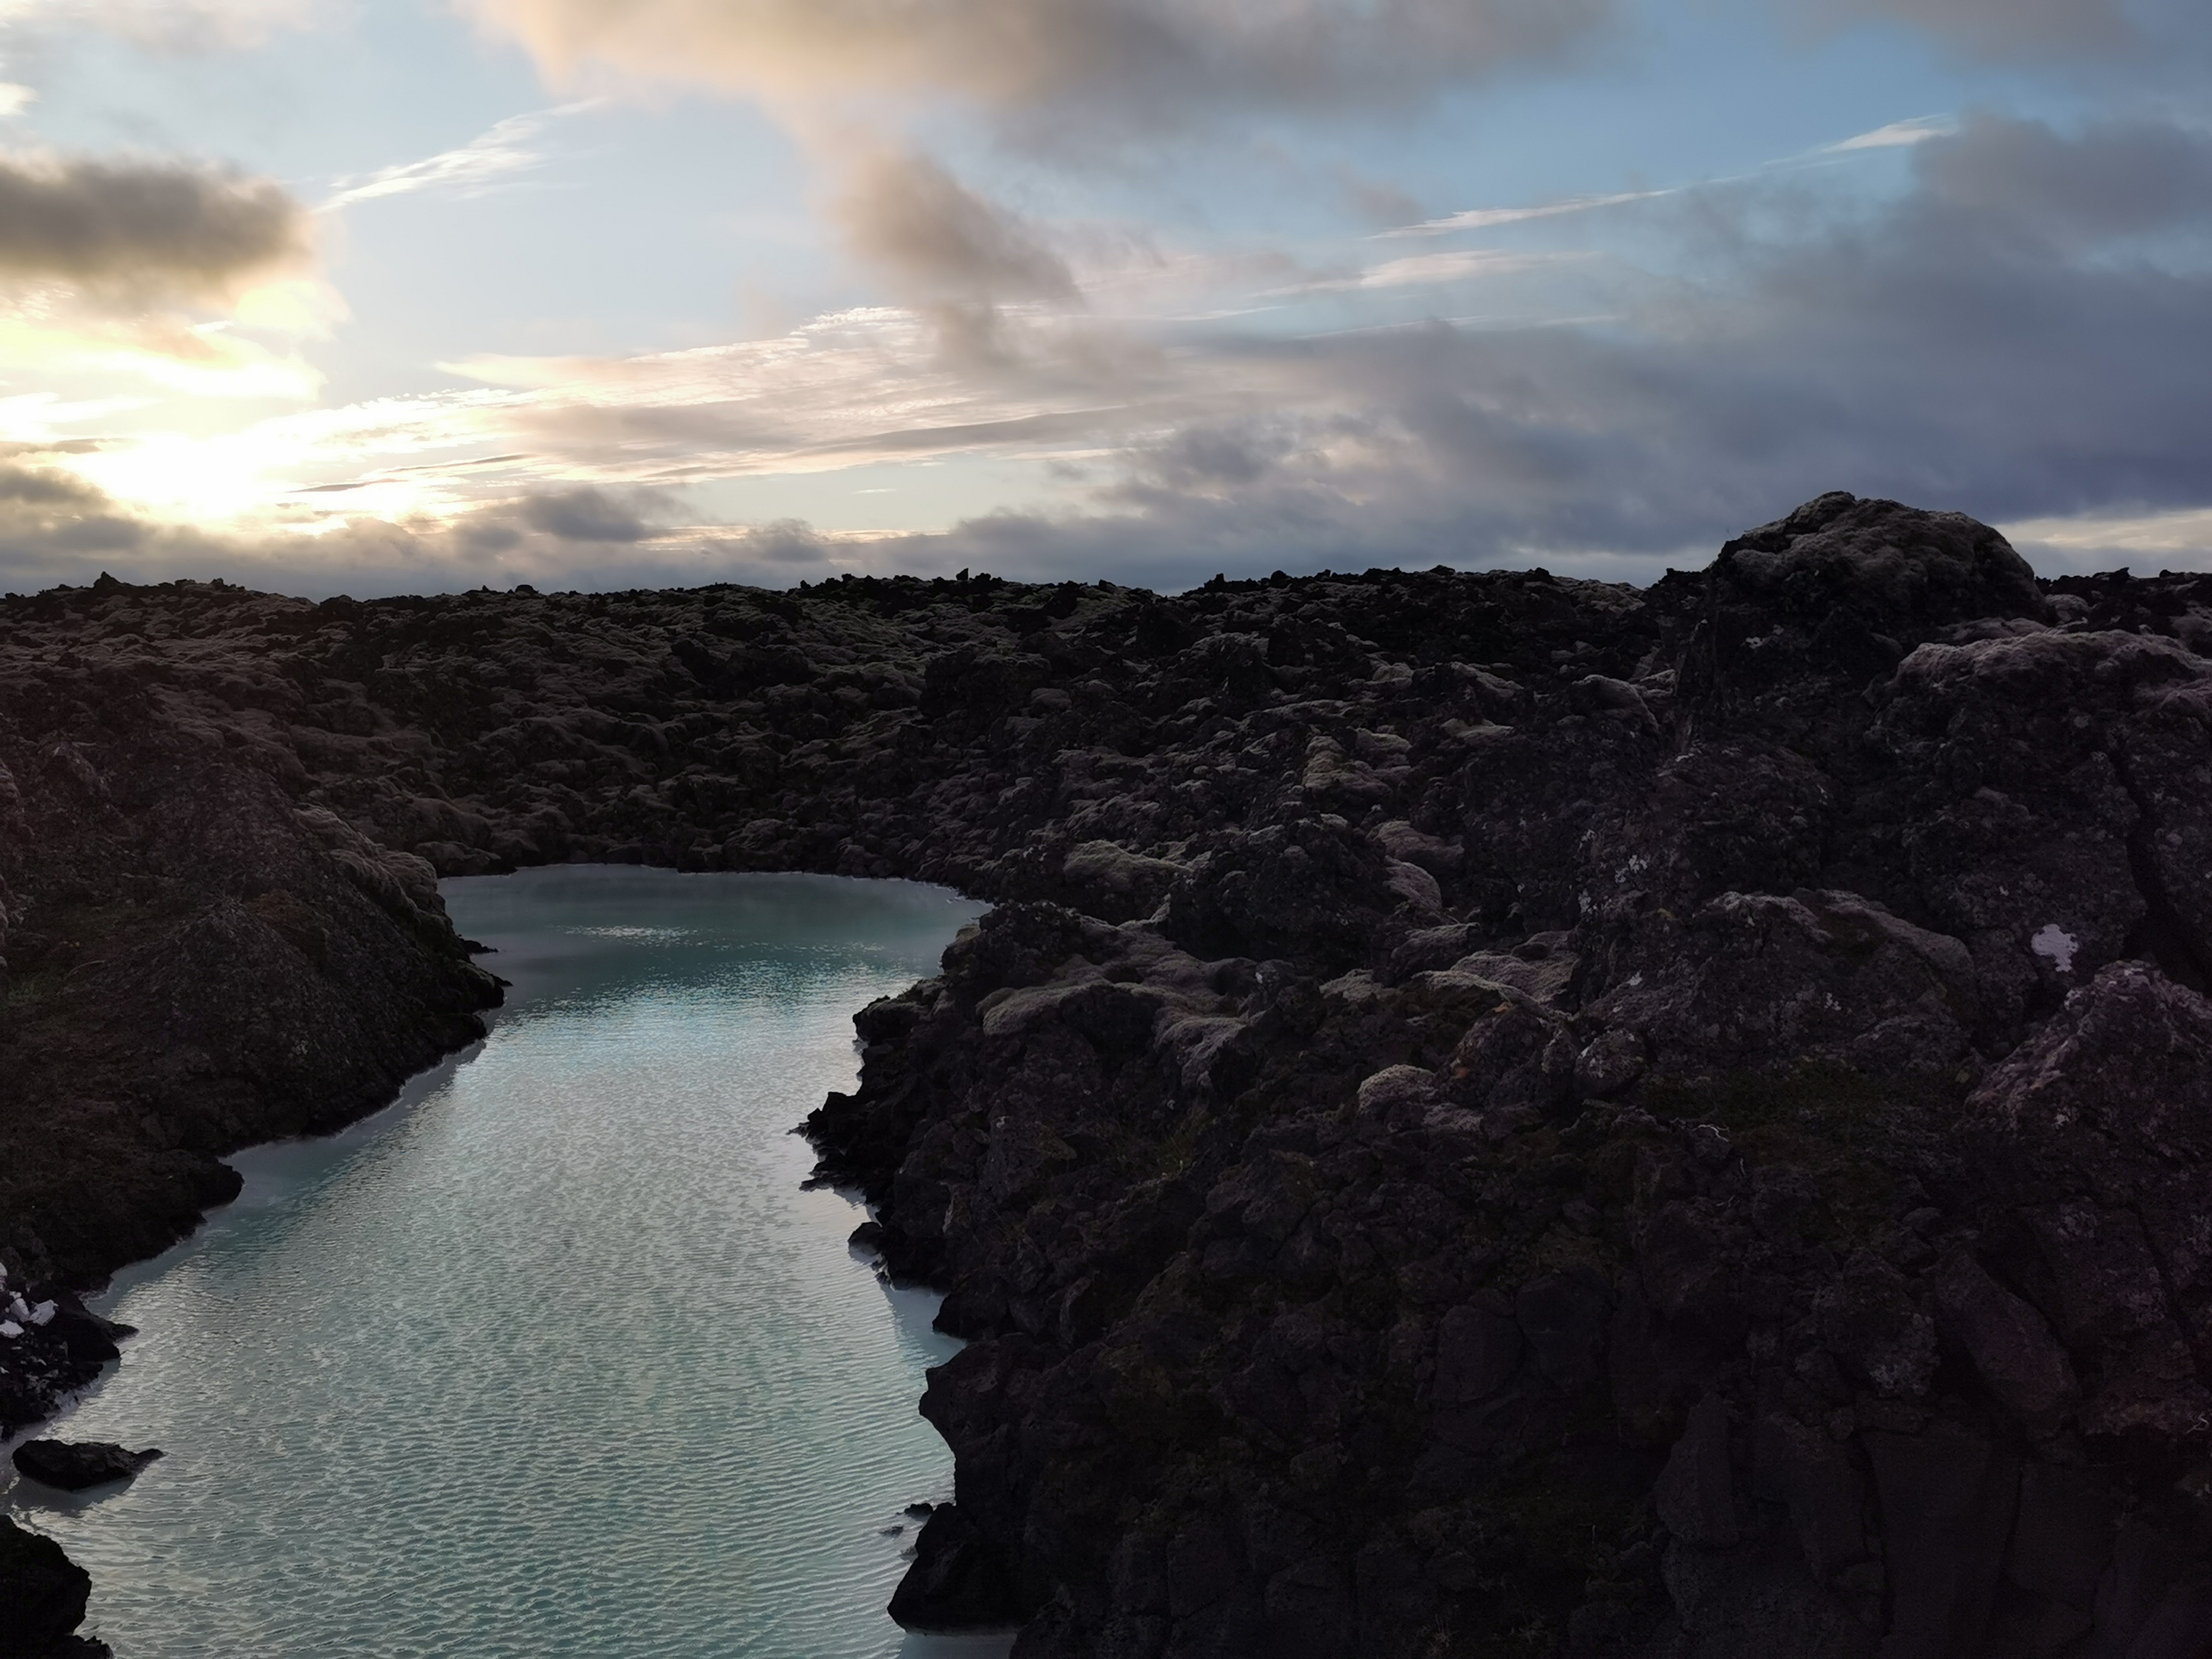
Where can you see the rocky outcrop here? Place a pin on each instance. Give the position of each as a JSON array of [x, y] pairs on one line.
[[1494, 1115], [197, 958], [50, 1344], [42, 1598], [73, 1466]]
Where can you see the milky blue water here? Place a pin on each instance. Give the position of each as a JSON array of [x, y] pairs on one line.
[[555, 1357]]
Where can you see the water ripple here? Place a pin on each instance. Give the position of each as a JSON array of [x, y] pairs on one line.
[[558, 1359]]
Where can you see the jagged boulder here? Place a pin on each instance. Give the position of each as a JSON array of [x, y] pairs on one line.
[[1841, 562]]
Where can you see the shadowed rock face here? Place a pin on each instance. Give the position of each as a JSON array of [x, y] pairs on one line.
[[1495, 1114], [43, 1595], [1841, 564]]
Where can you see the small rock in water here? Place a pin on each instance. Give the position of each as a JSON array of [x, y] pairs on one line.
[[72, 1468], [921, 1511]]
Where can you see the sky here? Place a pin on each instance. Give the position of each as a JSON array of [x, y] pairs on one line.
[[380, 296]]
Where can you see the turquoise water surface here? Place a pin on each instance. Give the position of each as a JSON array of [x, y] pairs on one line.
[[555, 1357]]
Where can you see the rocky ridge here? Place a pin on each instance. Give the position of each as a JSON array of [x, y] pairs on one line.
[[1496, 1115]]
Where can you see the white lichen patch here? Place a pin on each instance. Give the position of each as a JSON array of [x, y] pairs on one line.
[[2056, 945]]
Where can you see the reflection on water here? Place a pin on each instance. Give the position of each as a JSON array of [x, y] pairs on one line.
[[555, 1357]]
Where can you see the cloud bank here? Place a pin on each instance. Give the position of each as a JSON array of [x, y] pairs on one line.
[[2026, 30], [2018, 334], [139, 233], [1119, 60], [2009, 320]]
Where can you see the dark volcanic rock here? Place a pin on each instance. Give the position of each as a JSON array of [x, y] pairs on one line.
[[1840, 566], [42, 1596], [957, 1581], [1495, 1114], [74, 1465], [58, 1346]]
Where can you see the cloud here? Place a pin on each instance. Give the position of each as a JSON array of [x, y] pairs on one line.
[[1976, 344], [54, 528], [167, 351], [584, 515], [138, 267], [938, 241], [1064, 60], [468, 170], [1424, 269], [1491, 218], [1982, 343], [176, 26], [1376, 201], [42, 489], [2107, 541], [956, 258], [2071, 35], [2116, 179], [2006, 29], [790, 544], [133, 234], [2018, 334], [1897, 135], [51, 520]]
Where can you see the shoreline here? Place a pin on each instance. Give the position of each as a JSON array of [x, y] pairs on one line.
[[274, 1173]]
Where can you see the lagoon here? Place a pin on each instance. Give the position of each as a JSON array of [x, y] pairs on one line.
[[556, 1356]]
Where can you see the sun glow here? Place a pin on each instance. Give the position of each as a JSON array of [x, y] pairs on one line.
[[206, 481]]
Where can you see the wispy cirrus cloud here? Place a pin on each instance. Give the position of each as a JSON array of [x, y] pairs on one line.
[[1492, 218], [1897, 134], [1428, 270], [507, 148]]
